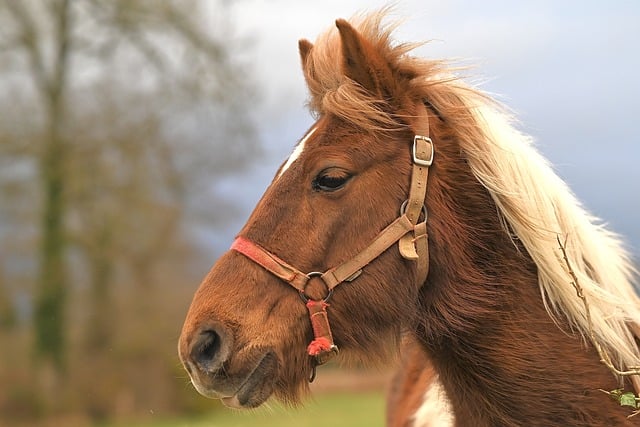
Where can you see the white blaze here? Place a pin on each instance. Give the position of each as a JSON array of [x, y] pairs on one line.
[[296, 152]]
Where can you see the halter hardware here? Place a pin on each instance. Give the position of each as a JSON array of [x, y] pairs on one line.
[[410, 235], [416, 158], [303, 292], [403, 209]]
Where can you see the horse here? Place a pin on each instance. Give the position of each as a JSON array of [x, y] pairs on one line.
[[414, 207]]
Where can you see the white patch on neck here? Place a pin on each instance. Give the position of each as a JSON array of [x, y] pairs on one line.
[[436, 409], [296, 152]]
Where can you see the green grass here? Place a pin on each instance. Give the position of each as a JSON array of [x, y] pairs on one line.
[[332, 409]]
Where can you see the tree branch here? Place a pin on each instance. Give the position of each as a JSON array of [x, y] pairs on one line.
[[28, 38]]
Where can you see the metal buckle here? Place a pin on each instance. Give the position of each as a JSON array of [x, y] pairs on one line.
[[416, 160]]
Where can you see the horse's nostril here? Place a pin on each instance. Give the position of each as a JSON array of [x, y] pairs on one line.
[[209, 351]]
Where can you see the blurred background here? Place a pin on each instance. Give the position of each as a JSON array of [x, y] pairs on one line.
[[136, 136]]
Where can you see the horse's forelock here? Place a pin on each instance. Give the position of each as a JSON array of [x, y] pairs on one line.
[[332, 91]]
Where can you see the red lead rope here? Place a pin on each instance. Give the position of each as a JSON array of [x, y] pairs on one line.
[[322, 347]]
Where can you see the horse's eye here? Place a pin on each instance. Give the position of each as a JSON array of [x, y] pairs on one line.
[[330, 180]]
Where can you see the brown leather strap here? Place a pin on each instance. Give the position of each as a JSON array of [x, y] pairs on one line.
[[270, 262], [417, 192], [415, 246], [421, 240], [348, 270]]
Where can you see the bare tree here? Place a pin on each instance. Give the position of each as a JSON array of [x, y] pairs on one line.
[[122, 108], [49, 71]]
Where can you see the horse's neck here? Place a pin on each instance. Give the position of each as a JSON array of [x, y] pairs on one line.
[[500, 356]]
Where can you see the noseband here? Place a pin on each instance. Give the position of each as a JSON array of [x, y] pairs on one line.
[[410, 235]]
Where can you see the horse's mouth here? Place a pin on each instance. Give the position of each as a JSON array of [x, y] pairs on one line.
[[252, 391], [257, 387]]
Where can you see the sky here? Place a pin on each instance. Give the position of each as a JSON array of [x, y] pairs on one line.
[[568, 69]]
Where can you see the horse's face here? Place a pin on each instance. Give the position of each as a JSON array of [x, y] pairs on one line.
[[246, 333]]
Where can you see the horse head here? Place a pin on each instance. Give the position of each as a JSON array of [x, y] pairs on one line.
[[247, 332]]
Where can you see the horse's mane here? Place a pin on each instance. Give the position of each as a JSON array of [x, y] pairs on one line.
[[536, 206]]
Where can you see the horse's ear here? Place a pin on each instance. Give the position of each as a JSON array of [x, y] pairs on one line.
[[362, 63], [304, 47]]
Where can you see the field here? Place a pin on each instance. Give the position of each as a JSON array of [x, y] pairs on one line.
[[340, 409]]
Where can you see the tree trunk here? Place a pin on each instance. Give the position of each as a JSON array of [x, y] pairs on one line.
[[98, 333], [52, 290], [51, 298]]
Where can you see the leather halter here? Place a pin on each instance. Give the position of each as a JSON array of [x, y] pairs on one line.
[[410, 234]]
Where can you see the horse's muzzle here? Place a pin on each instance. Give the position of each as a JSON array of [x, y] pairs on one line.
[[207, 356]]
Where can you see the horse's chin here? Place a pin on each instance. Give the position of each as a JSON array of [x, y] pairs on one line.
[[258, 386], [253, 390]]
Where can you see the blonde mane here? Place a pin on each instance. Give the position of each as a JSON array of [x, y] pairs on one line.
[[535, 204]]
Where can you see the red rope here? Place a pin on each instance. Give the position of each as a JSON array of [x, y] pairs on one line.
[[322, 345]]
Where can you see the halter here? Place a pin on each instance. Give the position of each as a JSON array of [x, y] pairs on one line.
[[411, 236]]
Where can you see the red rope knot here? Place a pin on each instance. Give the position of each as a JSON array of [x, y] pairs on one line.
[[322, 348]]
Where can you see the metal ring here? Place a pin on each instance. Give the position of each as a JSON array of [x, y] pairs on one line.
[[403, 209], [305, 298]]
